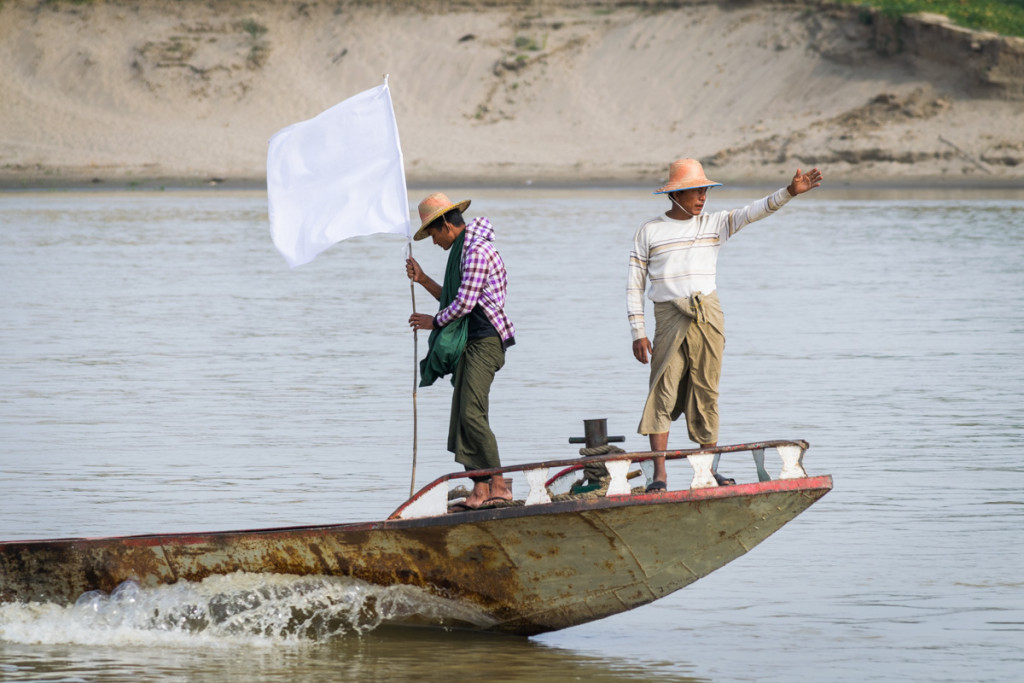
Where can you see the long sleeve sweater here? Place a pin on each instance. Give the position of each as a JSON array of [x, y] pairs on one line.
[[680, 257]]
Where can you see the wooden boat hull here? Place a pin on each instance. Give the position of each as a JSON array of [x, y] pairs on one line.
[[520, 570]]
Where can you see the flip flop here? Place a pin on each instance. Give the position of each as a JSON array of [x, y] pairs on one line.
[[492, 503], [724, 481], [656, 486], [460, 507]]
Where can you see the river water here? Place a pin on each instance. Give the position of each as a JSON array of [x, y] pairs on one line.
[[163, 370]]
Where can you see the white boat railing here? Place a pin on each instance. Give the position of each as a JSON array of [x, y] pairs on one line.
[[434, 498]]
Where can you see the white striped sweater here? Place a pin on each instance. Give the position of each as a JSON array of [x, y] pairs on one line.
[[680, 258]]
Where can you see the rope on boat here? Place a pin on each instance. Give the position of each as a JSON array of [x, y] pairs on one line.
[[594, 483], [597, 473], [601, 450]]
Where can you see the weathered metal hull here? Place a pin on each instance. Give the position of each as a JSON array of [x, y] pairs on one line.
[[529, 569]]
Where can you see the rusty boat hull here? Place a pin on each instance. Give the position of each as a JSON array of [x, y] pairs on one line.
[[524, 569]]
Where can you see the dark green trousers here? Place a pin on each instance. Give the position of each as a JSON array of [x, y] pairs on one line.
[[469, 434]]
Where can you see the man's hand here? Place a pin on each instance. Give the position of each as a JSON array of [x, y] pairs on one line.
[[413, 270], [416, 274], [421, 321], [804, 182], [642, 349]]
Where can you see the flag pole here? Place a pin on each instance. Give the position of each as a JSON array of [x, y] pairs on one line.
[[416, 353], [415, 377]]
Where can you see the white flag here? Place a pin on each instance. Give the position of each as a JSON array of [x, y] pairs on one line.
[[336, 176]]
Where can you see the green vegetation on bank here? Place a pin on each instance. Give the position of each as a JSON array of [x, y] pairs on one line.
[[1005, 17]]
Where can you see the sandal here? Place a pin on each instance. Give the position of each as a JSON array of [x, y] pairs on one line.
[[496, 502], [724, 481]]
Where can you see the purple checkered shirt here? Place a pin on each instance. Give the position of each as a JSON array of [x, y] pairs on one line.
[[484, 281]]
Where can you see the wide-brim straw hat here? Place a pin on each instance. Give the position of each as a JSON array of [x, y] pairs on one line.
[[686, 174], [434, 206]]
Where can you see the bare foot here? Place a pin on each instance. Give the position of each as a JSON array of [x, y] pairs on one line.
[[481, 492], [499, 489]]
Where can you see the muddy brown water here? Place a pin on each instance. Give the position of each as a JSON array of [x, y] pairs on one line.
[[163, 370]]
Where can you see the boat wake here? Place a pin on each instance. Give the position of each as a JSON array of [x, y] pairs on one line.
[[239, 608]]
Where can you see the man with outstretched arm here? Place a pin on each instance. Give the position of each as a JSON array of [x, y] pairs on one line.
[[677, 253]]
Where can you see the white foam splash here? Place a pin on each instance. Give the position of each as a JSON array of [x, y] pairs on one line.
[[223, 611]]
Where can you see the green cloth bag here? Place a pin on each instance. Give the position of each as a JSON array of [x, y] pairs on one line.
[[445, 345]]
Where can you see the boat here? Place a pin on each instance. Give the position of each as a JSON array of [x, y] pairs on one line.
[[549, 561]]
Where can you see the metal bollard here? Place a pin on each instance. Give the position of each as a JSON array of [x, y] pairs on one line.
[[595, 434]]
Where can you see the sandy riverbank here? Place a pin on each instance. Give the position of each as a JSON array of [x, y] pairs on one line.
[[501, 93]]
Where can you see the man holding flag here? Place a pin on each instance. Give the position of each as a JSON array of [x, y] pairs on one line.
[[340, 175], [468, 336]]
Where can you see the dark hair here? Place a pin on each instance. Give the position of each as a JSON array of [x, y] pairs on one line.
[[454, 217]]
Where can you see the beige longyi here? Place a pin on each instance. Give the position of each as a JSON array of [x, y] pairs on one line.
[[686, 364]]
